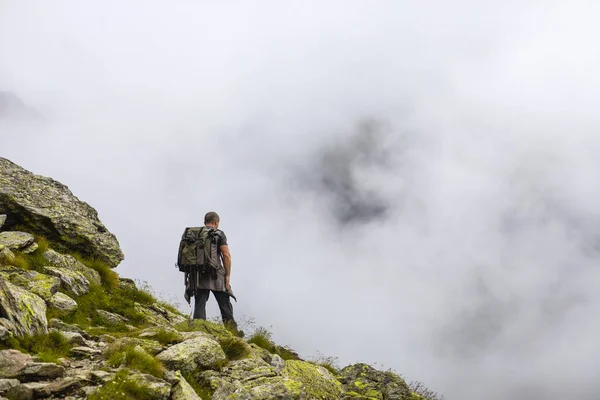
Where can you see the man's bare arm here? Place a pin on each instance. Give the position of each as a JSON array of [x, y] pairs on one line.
[[226, 262]]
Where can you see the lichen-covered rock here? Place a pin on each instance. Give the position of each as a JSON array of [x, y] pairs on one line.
[[2, 220], [150, 333], [62, 303], [152, 347], [16, 240], [111, 318], [74, 282], [201, 352], [318, 382], [71, 263], [30, 249], [182, 390], [25, 311], [364, 381], [58, 325], [157, 315], [50, 209], [7, 257], [41, 284], [36, 371]]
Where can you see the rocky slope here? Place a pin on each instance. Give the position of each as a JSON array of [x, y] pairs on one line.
[[71, 328]]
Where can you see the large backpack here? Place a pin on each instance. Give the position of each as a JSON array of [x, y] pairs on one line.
[[198, 251]]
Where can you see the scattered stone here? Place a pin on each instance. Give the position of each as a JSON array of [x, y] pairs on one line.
[[110, 318], [2, 220], [63, 303], [12, 362], [108, 338], [5, 333], [57, 324], [71, 263], [74, 282], [100, 376], [50, 209], [182, 390], [16, 240], [20, 392], [56, 388], [127, 283], [82, 351], [187, 356], [25, 310]]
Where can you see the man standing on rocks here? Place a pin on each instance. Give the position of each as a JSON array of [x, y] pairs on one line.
[[220, 285]]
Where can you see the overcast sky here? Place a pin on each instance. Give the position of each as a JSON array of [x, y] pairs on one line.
[[411, 184]]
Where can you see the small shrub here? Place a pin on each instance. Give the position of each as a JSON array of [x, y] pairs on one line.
[[123, 388], [420, 389], [262, 338], [43, 244], [135, 358]]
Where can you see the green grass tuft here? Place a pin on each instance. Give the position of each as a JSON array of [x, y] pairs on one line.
[[49, 348], [235, 348], [110, 279], [205, 392], [262, 338], [165, 337], [123, 388], [135, 358]]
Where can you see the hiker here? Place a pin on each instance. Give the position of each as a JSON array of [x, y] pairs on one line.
[[217, 280]]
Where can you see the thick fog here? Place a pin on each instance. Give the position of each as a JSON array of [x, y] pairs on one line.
[[410, 184]]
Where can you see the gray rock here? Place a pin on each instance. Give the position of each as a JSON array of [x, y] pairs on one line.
[[5, 333], [25, 310], [74, 282], [40, 371], [20, 392], [16, 240], [41, 284], [110, 318], [182, 390], [57, 324], [63, 303], [2, 220], [7, 384], [73, 337], [278, 363], [83, 351], [30, 249], [71, 263], [55, 388], [12, 362], [158, 316], [189, 355], [388, 384], [50, 209], [100, 376], [152, 347]]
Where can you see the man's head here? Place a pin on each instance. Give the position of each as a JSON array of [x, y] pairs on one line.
[[211, 219]]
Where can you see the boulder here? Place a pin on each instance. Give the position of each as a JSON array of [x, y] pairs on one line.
[[318, 382], [111, 318], [364, 381], [16, 240], [74, 282], [56, 389], [25, 311], [72, 264], [182, 390], [84, 352], [7, 384], [50, 209], [17, 365], [2, 220], [202, 352], [62, 303]]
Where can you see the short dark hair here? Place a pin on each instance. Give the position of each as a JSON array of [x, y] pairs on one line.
[[211, 217]]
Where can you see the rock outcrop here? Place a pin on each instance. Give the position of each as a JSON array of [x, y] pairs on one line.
[[71, 328], [48, 208]]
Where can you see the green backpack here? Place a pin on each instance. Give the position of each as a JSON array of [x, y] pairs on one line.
[[198, 251]]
